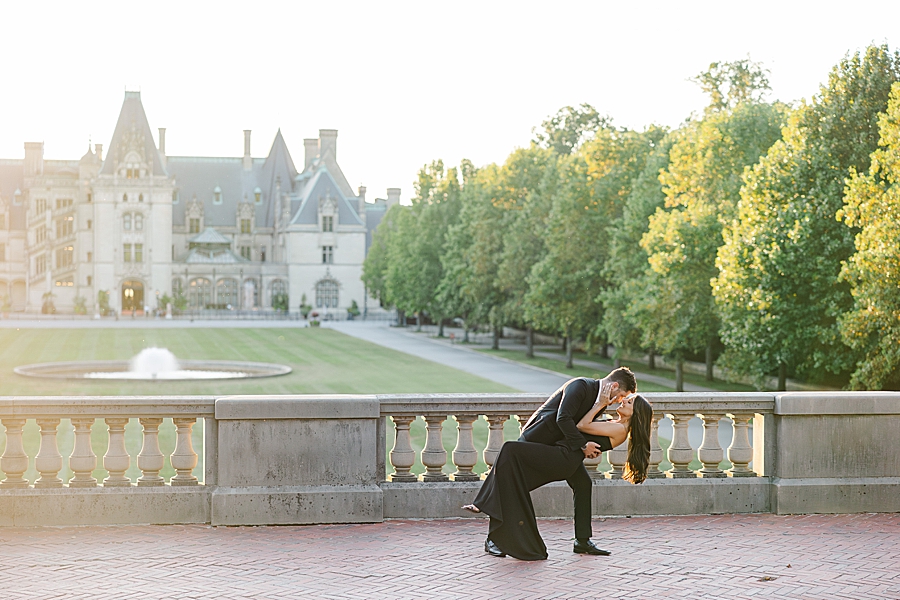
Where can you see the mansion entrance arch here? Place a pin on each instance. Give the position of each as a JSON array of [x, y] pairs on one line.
[[132, 297]]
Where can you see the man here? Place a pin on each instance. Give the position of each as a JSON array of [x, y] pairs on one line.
[[554, 423]]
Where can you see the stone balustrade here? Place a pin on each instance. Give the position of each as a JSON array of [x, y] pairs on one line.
[[326, 458]]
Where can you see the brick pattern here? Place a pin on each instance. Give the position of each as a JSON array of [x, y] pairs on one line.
[[730, 556]]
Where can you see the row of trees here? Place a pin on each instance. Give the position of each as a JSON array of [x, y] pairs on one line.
[[759, 234]]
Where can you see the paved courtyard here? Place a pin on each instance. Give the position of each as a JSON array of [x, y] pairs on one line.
[[729, 556]]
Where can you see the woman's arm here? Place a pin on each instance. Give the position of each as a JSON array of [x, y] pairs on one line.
[[601, 403]]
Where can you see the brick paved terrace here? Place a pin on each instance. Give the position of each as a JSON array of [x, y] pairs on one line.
[[727, 556]]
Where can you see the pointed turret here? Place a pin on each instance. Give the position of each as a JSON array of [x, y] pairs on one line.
[[132, 146]]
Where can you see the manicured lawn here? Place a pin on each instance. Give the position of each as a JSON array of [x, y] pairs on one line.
[[559, 366], [323, 361]]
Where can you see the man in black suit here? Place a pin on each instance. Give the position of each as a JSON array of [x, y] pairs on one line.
[[554, 423]]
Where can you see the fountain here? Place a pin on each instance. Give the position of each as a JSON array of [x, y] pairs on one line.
[[153, 364]]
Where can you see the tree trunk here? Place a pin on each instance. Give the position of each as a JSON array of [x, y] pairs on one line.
[[679, 374], [495, 345], [440, 327], [617, 363], [565, 343], [568, 351], [401, 318], [466, 334], [782, 377], [651, 359], [418, 322], [604, 350], [529, 342], [709, 361]]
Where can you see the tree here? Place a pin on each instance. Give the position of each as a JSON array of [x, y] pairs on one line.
[[569, 128], [778, 289], [872, 204], [731, 83], [702, 187], [374, 269]]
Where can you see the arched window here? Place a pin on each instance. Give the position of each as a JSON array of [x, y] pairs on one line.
[[199, 293], [250, 295], [138, 222], [175, 197], [227, 293], [327, 294], [126, 221], [177, 286], [217, 195], [278, 294], [140, 198], [124, 197], [257, 195]]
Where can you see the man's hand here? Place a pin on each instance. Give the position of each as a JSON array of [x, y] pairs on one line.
[[591, 450]]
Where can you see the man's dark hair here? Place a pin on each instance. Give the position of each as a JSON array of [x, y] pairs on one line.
[[625, 378]]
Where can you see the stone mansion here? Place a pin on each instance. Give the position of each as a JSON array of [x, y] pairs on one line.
[[223, 232]]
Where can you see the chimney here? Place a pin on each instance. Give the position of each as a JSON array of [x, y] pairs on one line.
[[362, 202], [311, 148], [328, 139], [393, 197], [34, 159], [98, 150], [162, 145], [248, 160]]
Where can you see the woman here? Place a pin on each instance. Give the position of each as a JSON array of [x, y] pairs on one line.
[[524, 466]]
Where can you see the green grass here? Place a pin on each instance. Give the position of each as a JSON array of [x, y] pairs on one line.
[[559, 365], [324, 361]]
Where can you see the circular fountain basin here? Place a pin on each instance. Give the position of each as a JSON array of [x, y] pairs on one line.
[[185, 370]]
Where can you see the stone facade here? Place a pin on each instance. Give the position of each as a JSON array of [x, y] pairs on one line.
[[223, 232]]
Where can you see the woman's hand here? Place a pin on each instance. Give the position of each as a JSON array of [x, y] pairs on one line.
[[605, 391]]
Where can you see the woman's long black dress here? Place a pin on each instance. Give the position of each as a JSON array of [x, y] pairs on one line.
[[504, 496]]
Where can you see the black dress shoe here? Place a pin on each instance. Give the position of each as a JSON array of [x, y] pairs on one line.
[[492, 549], [588, 547]]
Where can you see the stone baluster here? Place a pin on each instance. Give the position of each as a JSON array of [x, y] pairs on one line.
[[434, 457], [522, 420], [14, 461], [116, 459], [82, 461], [617, 458], [593, 467], [464, 455], [150, 460], [656, 453], [403, 457], [710, 452], [680, 452], [740, 452], [48, 462], [184, 459], [495, 438]]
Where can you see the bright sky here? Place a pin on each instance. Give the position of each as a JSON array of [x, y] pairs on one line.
[[404, 82]]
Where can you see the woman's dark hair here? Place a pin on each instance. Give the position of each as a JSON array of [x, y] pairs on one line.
[[638, 442]]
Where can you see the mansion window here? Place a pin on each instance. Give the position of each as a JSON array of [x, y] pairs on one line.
[[90, 256], [327, 294], [64, 257], [257, 196], [140, 197], [62, 203], [175, 197], [194, 225], [89, 223], [245, 252], [135, 219], [328, 223], [2, 252], [245, 225], [40, 205], [65, 226], [40, 234], [89, 280], [138, 222], [65, 282], [177, 287], [138, 253], [126, 221], [124, 197], [126, 252], [40, 264], [90, 198], [262, 254], [217, 195], [327, 255]]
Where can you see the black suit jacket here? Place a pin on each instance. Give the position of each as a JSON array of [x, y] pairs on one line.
[[555, 422]]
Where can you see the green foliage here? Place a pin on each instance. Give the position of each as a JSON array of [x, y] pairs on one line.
[[873, 205], [729, 84], [353, 311], [778, 289], [702, 187], [569, 128], [80, 305], [281, 301], [48, 307], [305, 306], [103, 302]]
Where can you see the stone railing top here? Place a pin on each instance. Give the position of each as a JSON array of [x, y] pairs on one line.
[[327, 406], [106, 406], [838, 403]]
